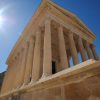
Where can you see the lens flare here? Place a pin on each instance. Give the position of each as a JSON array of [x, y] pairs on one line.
[[1, 19]]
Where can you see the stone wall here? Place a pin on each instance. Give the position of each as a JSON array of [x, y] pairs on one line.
[[89, 89]]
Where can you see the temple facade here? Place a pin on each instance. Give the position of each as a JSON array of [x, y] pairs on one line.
[[54, 59]]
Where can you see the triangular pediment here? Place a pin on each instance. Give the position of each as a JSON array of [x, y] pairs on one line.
[[72, 18]]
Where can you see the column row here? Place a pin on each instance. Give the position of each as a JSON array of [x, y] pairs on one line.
[[30, 64], [29, 60]]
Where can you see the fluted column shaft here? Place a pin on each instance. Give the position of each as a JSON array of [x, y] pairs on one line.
[[22, 66], [37, 57], [29, 62], [13, 73], [47, 59], [96, 57], [82, 49], [73, 48], [62, 49], [88, 49], [17, 77]]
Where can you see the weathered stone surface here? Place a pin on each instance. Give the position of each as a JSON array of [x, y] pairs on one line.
[[42, 59]]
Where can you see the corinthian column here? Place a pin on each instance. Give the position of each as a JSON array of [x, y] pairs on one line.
[[62, 49], [88, 49], [17, 76], [22, 66], [73, 49], [47, 58], [82, 49], [96, 57], [29, 62], [12, 74], [37, 57]]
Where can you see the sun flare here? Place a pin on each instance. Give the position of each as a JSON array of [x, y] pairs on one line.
[[1, 20]]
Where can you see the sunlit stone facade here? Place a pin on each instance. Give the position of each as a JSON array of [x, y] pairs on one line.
[[54, 59]]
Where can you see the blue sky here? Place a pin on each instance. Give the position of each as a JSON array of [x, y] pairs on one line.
[[15, 14]]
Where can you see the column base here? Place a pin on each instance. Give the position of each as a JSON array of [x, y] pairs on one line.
[[44, 75], [18, 87], [32, 82], [13, 89], [24, 85]]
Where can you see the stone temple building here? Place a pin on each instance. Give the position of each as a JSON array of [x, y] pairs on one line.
[[54, 59]]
